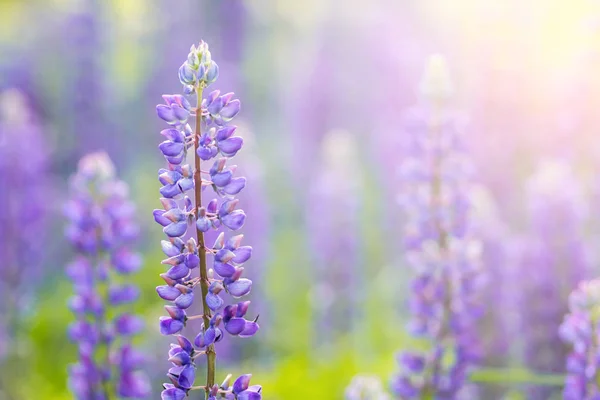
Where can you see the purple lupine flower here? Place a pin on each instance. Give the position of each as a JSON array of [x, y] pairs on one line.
[[581, 330], [255, 204], [215, 141], [333, 212], [553, 259], [24, 210], [102, 229], [439, 246], [497, 327], [83, 29], [365, 387]]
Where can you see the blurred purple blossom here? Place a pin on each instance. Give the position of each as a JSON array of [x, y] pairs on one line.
[[580, 331], [553, 260], [333, 212], [24, 211], [445, 295], [101, 230]]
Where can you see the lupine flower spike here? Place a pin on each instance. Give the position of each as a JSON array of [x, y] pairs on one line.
[[212, 139], [581, 329], [23, 215], [101, 230], [553, 258], [444, 304]]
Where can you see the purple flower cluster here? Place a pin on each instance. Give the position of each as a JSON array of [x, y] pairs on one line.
[[212, 139], [553, 258], [101, 230], [23, 214], [333, 211], [439, 246], [581, 330]]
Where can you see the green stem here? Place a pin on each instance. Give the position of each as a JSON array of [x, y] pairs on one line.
[[210, 351]]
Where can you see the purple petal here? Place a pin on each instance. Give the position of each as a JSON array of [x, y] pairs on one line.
[[166, 113], [240, 287], [209, 336], [185, 184], [82, 331], [170, 191], [168, 292], [224, 270], [235, 325], [230, 110], [234, 220], [203, 224], [249, 395], [224, 256], [175, 160], [180, 358], [133, 385], [214, 301], [235, 186], [242, 308], [219, 241], [180, 113], [212, 73], [241, 383], [187, 376], [250, 329], [185, 344], [206, 152], [230, 146], [158, 217], [187, 75], [176, 312], [172, 394], [199, 340], [176, 229], [174, 135], [215, 106], [126, 262], [169, 148], [192, 260], [185, 300], [229, 312], [128, 325], [129, 358], [242, 254], [178, 271], [225, 132], [222, 178], [169, 326], [123, 294], [171, 249], [212, 206]]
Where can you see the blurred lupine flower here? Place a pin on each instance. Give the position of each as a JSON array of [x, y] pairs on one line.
[[439, 245], [581, 330], [23, 214], [211, 139], [332, 214], [364, 387], [497, 325], [553, 260], [102, 229], [83, 29]]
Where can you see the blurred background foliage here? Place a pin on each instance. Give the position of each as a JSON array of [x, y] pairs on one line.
[[525, 74]]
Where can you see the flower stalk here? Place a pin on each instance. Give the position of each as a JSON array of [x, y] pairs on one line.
[[211, 138]]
